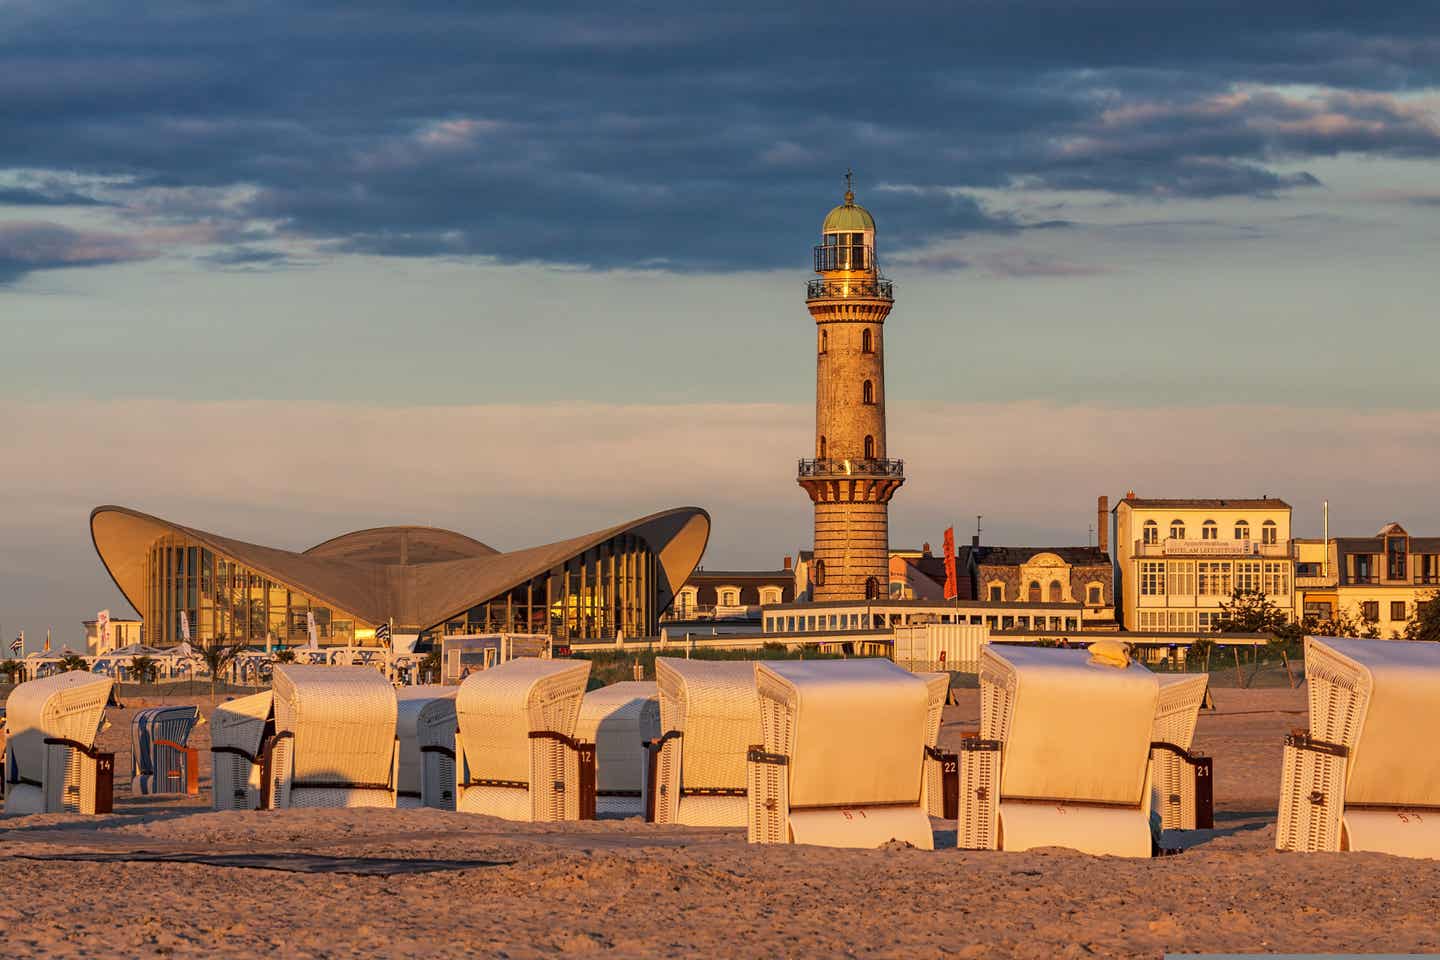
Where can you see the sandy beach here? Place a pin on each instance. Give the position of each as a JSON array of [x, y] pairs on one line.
[[168, 877]]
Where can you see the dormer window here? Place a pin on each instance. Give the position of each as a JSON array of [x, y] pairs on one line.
[[1396, 548]]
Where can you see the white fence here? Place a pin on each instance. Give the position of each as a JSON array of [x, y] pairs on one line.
[[940, 646]]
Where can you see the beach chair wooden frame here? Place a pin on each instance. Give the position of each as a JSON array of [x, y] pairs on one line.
[[516, 755], [1354, 780]]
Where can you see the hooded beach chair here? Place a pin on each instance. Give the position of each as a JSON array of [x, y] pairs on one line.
[[241, 732], [334, 740], [425, 727], [620, 719], [1366, 774], [842, 760], [516, 755], [1063, 755], [942, 769], [51, 764], [709, 718], [1183, 779], [160, 760]]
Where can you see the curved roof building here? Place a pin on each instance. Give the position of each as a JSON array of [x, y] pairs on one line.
[[421, 579]]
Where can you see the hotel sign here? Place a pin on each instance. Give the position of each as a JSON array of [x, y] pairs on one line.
[[1209, 548]]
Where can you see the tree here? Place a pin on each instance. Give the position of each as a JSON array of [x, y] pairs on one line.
[[430, 666], [218, 653], [144, 669], [285, 656], [73, 661], [1343, 624], [10, 669], [1425, 625], [1250, 611]]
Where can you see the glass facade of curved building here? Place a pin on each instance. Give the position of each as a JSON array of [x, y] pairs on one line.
[[220, 597]]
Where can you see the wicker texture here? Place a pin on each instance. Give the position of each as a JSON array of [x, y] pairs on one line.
[[619, 720], [156, 767], [497, 710], [1179, 708], [337, 737], [713, 704], [938, 688], [425, 716], [69, 706], [239, 724]]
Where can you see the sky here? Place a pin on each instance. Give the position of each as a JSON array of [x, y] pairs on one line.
[[281, 270]]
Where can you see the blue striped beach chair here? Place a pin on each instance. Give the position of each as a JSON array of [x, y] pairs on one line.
[[161, 762]]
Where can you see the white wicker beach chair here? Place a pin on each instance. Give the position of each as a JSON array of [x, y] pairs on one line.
[[710, 717], [51, 764], [241, 732], [1183, 779], [334, 738], [843, 755], [160, 760], [1366, 775], [425, 727], [942, 770], [1063, 754], [516, 755], [620, 719]]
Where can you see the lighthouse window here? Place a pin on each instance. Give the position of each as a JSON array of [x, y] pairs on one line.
[[867, 393], [867, 342], [824, 341], [869, 448]]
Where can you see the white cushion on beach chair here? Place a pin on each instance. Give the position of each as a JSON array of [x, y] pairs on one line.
[[1075, 750], [335, 737], [619, 720], [852, 735], [709, 718], [1367, 776], [237, 744], [426, 721], [52, 778], [500, 768]]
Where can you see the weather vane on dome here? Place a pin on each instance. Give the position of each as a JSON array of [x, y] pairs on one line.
[[849, 185]]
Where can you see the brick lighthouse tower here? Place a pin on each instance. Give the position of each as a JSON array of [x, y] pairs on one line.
[[851, 480]]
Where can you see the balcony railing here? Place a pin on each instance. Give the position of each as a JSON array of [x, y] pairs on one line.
[[876, 289], [1200, 549], [852, 468]]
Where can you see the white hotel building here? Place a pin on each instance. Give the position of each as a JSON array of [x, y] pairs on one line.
[[1179, 560]]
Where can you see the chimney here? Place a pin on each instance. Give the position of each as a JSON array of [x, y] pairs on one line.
[[926, 548], [975, 540], [787, 563], [1102, 523]]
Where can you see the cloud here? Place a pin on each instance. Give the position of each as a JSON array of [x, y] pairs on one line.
[[1032, 469], [706, 142], [27, 246]]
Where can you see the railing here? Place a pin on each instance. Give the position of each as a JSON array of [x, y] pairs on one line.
[[1200, 552], [852, 468], [879, 288], [843, 256]]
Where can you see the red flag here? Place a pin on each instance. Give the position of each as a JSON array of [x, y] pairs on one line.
[[952, 585]]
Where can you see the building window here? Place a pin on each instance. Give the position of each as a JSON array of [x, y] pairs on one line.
[[1206, 621], [1277, 578], [824, 341], [867, 342], [822, 448], [819, 572], [1209, 531], [1094, 595], [1033, 594], [1395, 550], [867, 392], [770, 595], [872, 588], [869, 448], [1214, 578], [1182, 579], [1370, 611], [1364, 568], [1177, 530], [1242, 530], [729, 597], [1320, 610], [1152, 579], [1247, 576], [1152, 532], [997, 593], [1269, 533], [1057, 593], [1397, 610]]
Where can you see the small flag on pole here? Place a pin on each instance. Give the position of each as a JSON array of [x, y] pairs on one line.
[[382, 633], [17, 644], [310, 629], [47, 641]]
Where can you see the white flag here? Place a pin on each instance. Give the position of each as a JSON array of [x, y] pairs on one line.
[[102, 631], [185, 626], [310, 628]]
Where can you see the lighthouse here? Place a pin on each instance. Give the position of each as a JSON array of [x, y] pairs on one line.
[[850, 477]]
